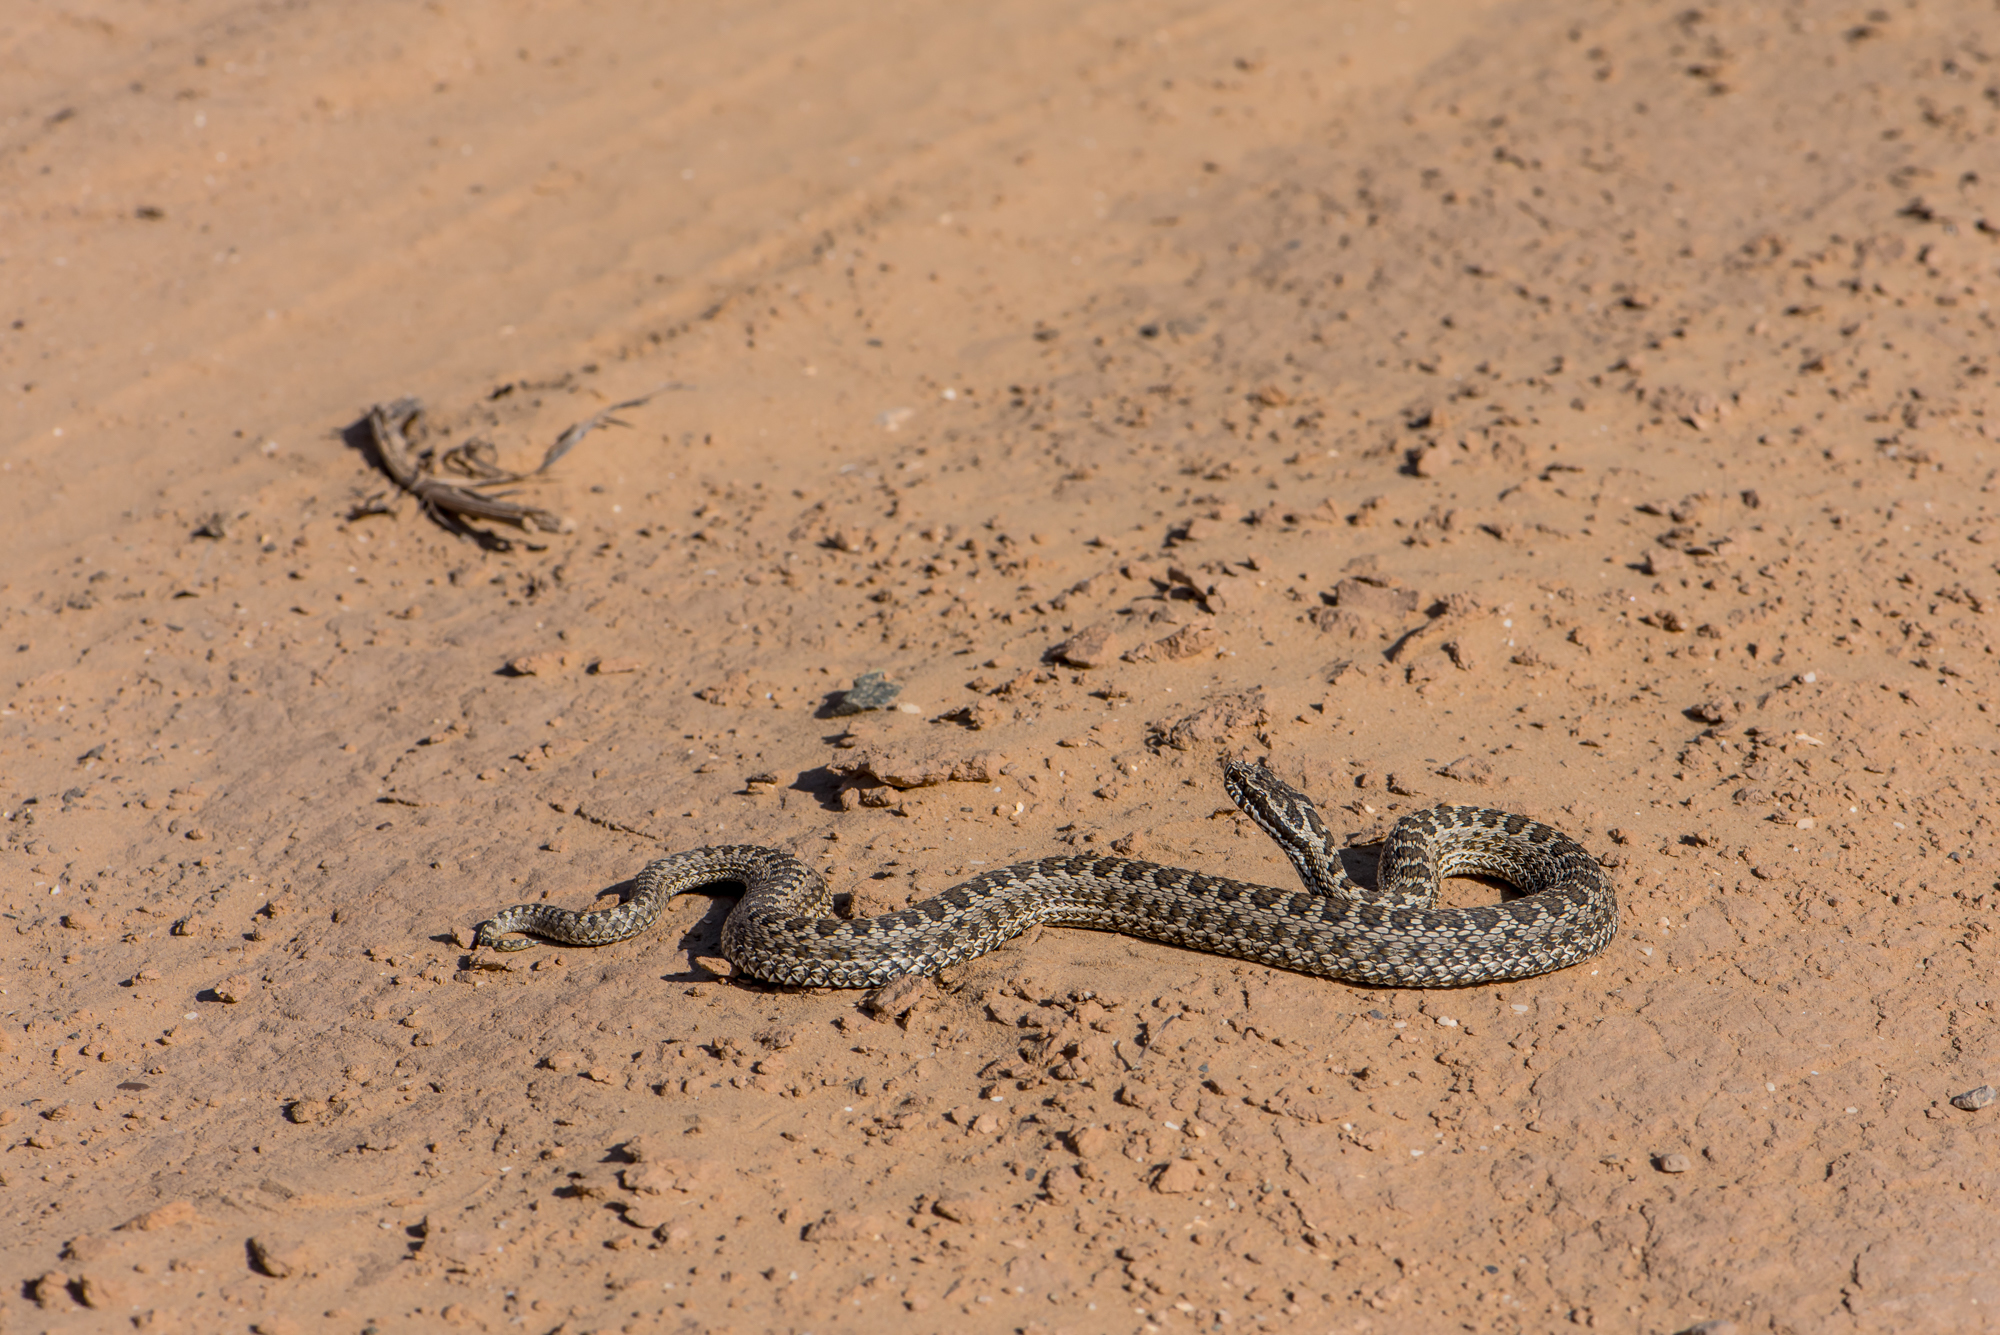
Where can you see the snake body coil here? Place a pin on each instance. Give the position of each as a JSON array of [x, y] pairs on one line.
[[783, 930]]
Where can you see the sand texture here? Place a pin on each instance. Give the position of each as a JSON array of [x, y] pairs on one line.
[[1586, 410]]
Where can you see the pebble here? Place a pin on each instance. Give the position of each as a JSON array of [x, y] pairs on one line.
[[1972, 1100], [1090, 1142], [1673, 1163], [963, 1207], [871, 690], [1178, 1177], [280, 1258], [605, 667], [1092, 647]]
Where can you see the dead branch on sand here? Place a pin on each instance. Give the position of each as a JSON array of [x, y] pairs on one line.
[[452, 503]]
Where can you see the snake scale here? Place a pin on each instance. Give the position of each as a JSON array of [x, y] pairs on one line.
[[1391, 934]]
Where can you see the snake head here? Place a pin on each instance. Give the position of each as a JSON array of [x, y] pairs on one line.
[[1287, 814]]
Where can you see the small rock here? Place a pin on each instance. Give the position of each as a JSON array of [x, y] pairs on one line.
[[1717, 709], [1187, 642], [1179, 1177], [605, 667], [562, 1063], [649, 1212], [539, 665], [103, 1292], [1398, 785], [1093, 647], [279, 1257], [235, 988], [897, 998], [1364, 594], [1672, 1163], [1092, 1142], [916, 765], [1972, 1100], [1662, 560], [871, 690], [963, 1207], [1720, 1326], [51, 1292]]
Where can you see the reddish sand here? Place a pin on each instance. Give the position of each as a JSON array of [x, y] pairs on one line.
[[1582, 410]]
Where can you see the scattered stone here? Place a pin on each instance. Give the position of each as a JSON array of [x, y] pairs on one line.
[[1750, 796], [279, 1257], [964, 1207], [103, 1292], [605, 667], [51, 1292], [1371, 595], [1668, 619], [314, 1112], [564, 1062], [1093, 647], [871, 690], [235, 988], [898, 998], [1672, 1163], [1092, 1142], [918, 765], [546, 664], [1664, 560], [1179, 1177], [650, 1212], [1187, 642], [1972, 1100], [1398, 785]]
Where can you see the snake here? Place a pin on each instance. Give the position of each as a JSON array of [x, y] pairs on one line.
[[783, 931]]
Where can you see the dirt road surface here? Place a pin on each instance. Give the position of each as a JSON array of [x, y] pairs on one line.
[[1585, 410]]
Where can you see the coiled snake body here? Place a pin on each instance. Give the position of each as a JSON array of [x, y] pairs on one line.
[[1392, 934]]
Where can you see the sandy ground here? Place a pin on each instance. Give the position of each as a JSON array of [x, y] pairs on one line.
[[1584, 410]]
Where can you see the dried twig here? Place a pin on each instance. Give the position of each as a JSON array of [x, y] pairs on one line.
[[451, 503]]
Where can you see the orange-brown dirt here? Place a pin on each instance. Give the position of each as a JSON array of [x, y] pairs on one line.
[[1586, 410]]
